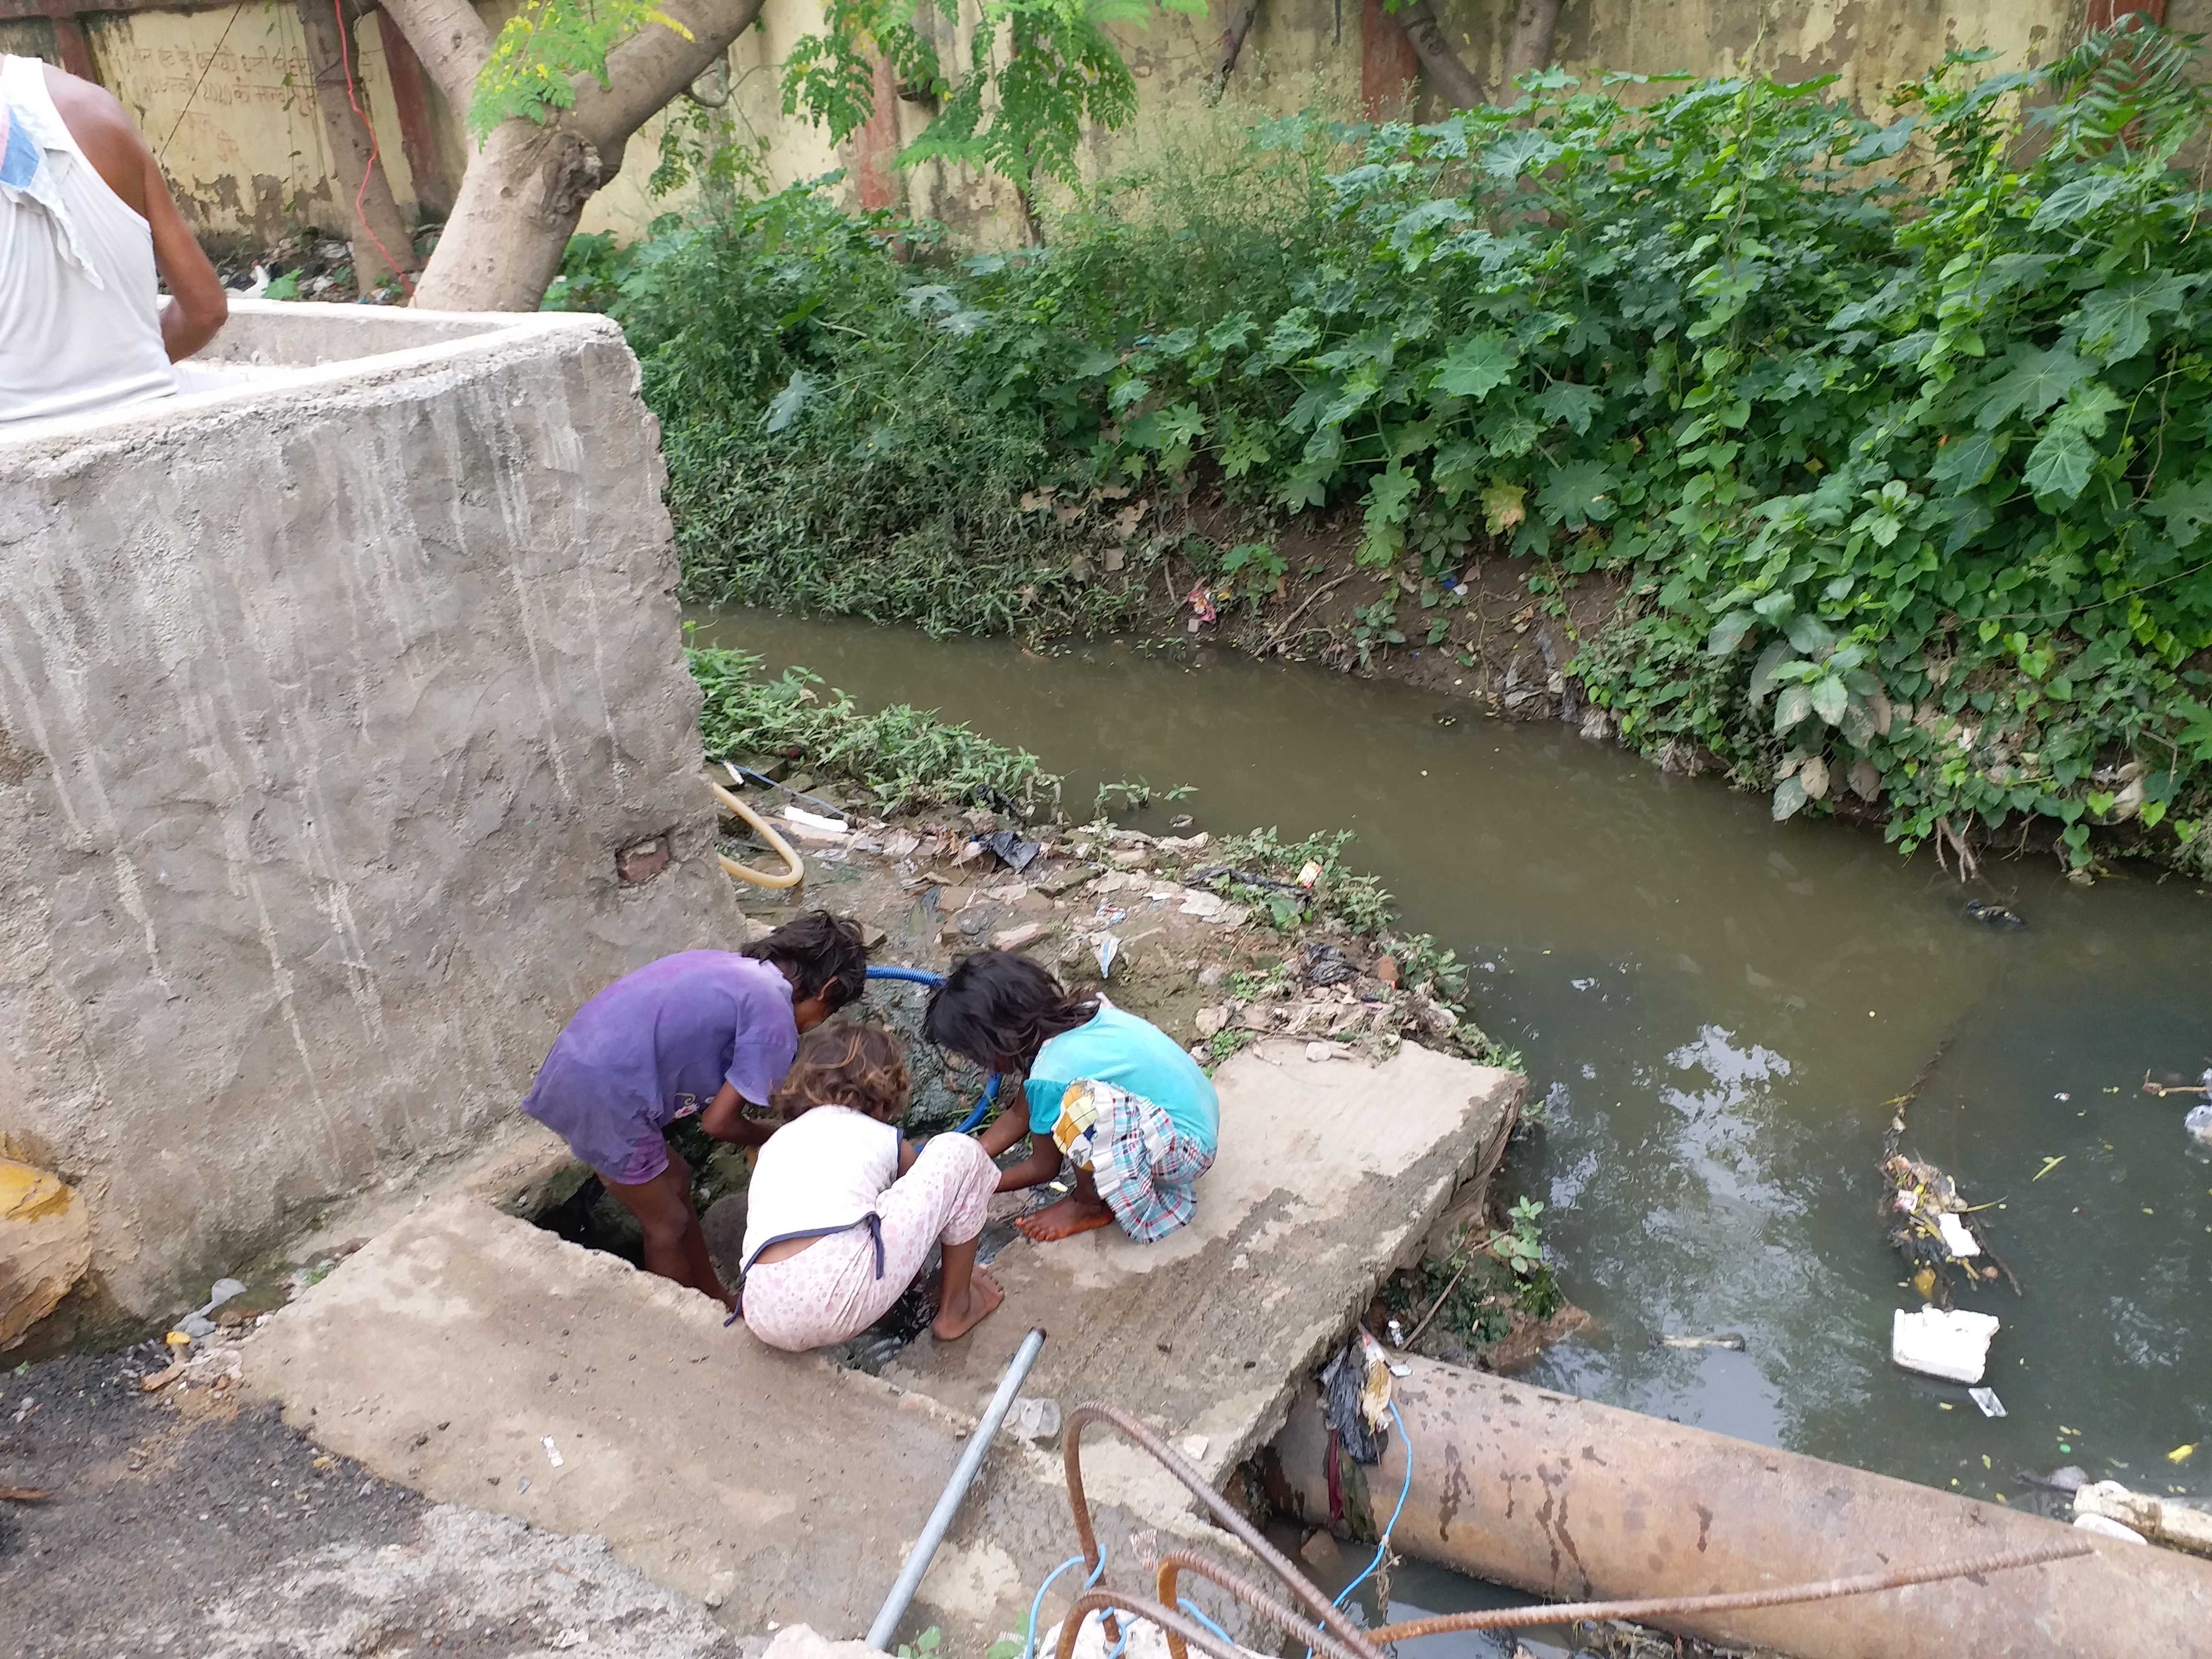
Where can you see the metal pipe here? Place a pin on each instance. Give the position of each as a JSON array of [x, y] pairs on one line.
[[963, 1476], [1574, 1501]]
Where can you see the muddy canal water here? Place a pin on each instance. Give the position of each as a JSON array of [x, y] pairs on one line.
[[1717, 1008]]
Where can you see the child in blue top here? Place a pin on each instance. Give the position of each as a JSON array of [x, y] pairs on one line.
[[1110, 1093]]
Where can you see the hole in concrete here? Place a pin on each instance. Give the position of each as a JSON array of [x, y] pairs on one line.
[[580, 1210]]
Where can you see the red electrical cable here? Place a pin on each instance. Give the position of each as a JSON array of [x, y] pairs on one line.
[[345, 57]]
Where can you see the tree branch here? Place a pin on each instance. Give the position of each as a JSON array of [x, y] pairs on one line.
[[452, 41], [649, 68]]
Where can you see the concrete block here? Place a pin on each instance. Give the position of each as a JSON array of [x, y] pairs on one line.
[[1327, 1178], [331, 703]]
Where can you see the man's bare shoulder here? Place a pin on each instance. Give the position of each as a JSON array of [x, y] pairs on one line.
[[104, 131]]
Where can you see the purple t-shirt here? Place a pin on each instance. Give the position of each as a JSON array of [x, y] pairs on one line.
[[657, 1045]]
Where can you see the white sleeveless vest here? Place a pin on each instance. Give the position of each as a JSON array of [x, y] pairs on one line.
[[80, 315]]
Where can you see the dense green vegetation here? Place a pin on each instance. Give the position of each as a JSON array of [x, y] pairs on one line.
[[1892, 437]]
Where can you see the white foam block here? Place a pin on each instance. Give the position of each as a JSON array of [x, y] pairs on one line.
[[1952, 1344]]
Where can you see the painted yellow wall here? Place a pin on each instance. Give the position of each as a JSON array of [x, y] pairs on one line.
[[224, 97]]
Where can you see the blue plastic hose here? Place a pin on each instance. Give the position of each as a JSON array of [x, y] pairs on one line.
[[923, 977]]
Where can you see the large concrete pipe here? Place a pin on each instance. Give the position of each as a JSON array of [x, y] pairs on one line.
[[1573, 1501]]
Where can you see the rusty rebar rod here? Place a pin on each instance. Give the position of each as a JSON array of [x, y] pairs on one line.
[[1168, 1619], [1177, 1562], [1673, 1607], [1245, 1532]]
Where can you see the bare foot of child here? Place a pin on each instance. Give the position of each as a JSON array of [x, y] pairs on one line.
[[1072, 1215], [956, 1319]]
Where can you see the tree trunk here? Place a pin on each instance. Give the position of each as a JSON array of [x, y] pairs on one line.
[[1449, 78], [382, 245], [519, 204], [452, 41], [1232, 45], [1535, 32], [527, 187]]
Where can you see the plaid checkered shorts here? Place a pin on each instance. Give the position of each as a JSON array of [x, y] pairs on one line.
[[1144, 1167]]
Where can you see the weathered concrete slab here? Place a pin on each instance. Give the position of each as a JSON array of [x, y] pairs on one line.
[[444, 1354], [330, 703], [1329, 1175]]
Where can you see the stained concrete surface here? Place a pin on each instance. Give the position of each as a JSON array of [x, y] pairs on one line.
[[1329, 1175], [328, 704], [447, 1351], [187, 1525]]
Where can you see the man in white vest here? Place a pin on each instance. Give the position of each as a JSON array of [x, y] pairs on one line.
[[86, 222]]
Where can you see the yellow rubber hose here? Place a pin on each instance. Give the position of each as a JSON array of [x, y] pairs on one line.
[[791, 877]]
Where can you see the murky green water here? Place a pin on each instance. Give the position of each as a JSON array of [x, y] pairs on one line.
[[1719, 1007]]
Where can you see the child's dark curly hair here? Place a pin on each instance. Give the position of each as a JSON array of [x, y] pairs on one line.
[[998, 1009], [822, 952], [842, 1062]]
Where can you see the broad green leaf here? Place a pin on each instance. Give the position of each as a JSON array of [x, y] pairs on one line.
[[2186, 508], [1791, 708], [1762, 672], [1830, 699], [1576, 495], [2035, 380], [1789, 799], [2062, 459], [784, 408], [1564, 400], [1230, 333], [2078, 197], [2115, 321], [1727, 633], [1521, 151], [1880, 146], [1966, 460], [1811, 636], [1476, 365]]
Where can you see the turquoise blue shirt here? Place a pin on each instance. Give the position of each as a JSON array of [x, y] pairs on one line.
[[1130, 1053]]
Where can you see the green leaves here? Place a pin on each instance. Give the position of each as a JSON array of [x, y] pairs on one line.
[[541, 50], [2078, 198], [2114, 322], [2186, 508], [1477, 365], [2061, 462], [1565, 402], [1576, 495], [783, 409], [2036, 380]]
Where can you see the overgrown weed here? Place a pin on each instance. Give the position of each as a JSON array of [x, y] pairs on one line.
[[1892, 433]]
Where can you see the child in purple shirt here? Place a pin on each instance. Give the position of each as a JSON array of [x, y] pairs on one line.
[[702, 1031]]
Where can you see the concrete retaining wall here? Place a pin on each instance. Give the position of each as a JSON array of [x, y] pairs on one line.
[[327, 701]]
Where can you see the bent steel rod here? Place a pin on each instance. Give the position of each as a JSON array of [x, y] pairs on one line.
[[1177, 1562], [963, 1476], [1244, 1531], [1170, 1619], [1670, 1606]]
